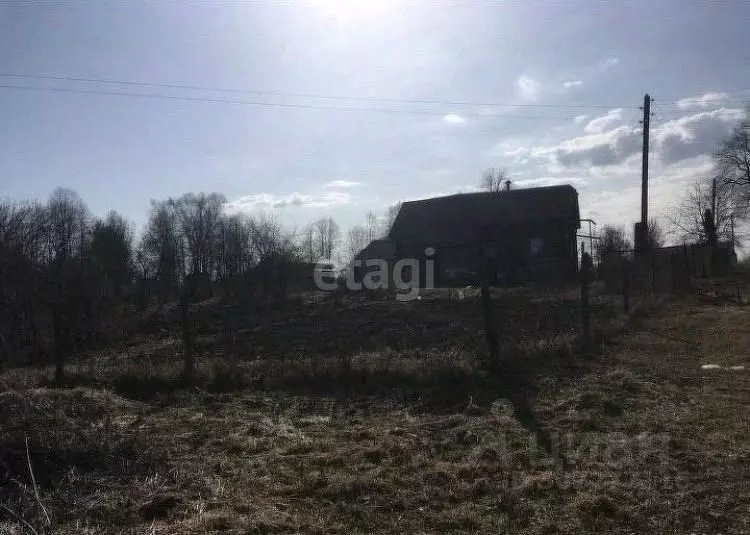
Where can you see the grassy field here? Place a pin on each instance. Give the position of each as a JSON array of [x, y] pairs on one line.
[[357, 416]]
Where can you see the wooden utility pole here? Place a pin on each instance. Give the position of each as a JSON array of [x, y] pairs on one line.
[[644, 172]]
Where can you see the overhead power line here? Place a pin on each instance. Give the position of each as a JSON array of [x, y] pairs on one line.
[[187, 87], [158, 96], [287, 94]]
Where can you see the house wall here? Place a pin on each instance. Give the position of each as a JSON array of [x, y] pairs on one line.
[[523, 253], [537, 253]]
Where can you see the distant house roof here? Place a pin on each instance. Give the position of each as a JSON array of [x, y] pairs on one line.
[[458, 219]]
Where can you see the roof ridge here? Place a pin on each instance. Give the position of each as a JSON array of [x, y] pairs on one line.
[[487, 193]]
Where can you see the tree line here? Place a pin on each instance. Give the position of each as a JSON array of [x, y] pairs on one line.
[[68, 278]]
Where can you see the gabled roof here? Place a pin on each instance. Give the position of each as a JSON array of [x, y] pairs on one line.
[[460, 218]]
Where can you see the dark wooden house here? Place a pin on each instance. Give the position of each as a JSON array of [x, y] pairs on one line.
[[528, 234], [382, 249]]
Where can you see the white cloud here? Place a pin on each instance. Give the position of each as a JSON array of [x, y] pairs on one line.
[[514, 150], [704, 101], [430, 195], [601, 124], [549, 181], [453, 119], [528, 88], [337, 184], [600, 149], [608, 144], [516, 153], [260, 201], [694, 135], [468, 188], [572, 83]]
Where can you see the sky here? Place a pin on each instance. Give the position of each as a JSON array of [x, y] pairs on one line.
[[314, 108]]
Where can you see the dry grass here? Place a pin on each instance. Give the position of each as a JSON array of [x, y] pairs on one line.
[[288, 431]]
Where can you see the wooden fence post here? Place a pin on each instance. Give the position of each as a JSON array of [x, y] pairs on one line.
[[626, 285], [651, 259], [587, 268], [490, 328], [186, 294]]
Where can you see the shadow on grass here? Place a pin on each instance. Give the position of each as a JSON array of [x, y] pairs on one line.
[[431, 381], [147, 387], [440, 390]]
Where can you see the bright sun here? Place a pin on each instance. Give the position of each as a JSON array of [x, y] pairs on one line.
[[349, 11]]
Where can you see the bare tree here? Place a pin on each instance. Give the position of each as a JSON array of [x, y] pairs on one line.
[[357, 239], [67, 235], [612, 240], [308, 245], [68, 223], [23, 238], [185, 234], [199, 217], [733, 158], [162, 248], [372, 226], [268, 238], [234, 253], [709, 211], [390, 218], [494, 180], [328, 236], [112, 253]]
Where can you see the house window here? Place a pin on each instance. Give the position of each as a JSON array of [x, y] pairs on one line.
[[536, 246]]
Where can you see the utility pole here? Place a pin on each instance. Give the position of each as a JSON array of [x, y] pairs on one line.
[[713, 200], [644, 172]]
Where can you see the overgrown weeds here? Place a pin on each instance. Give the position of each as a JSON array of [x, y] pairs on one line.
[[395, 427], [58, 446]]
